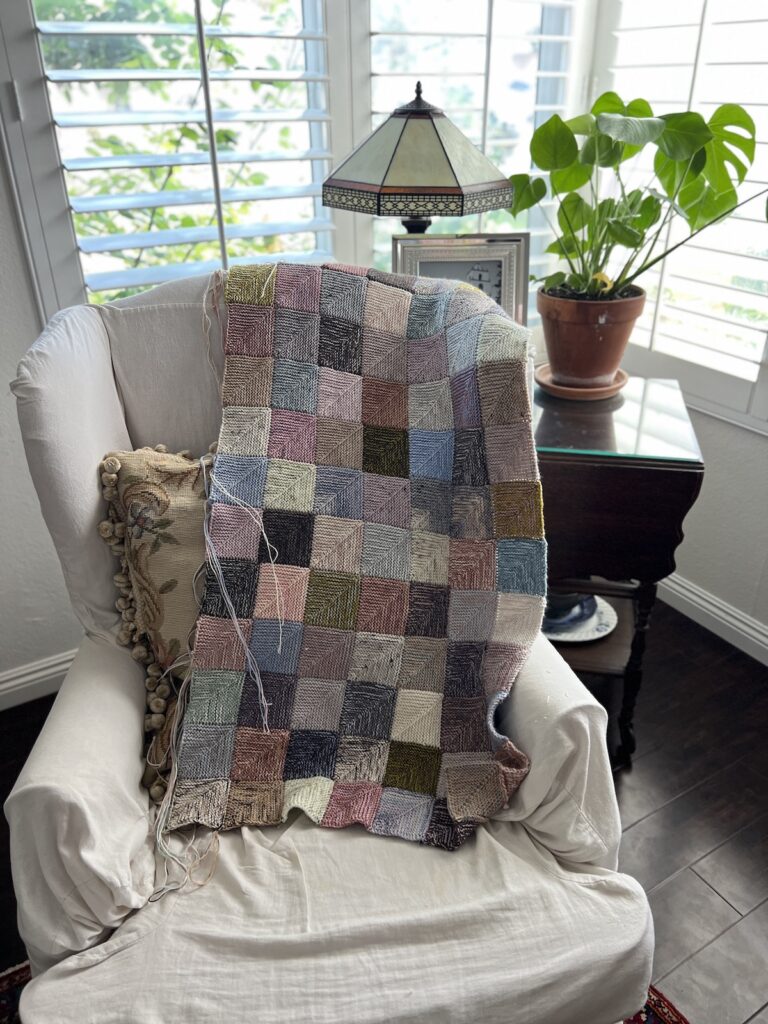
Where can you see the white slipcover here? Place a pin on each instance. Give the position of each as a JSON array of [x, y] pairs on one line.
[[529, 923]]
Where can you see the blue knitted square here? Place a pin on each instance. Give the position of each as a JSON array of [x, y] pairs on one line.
[[239, 478], [521, 566]]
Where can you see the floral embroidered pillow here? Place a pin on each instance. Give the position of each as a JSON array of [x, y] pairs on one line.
[[154, 525]]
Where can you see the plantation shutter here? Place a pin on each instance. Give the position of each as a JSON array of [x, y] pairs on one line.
[[707, 309], [166, 177]]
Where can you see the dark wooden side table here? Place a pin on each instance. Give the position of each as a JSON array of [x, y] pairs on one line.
[[619, 476]]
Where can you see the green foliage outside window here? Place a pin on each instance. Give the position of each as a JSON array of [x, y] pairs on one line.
[[173, 52]]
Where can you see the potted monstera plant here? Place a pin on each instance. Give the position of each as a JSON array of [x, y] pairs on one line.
[[613, 213]]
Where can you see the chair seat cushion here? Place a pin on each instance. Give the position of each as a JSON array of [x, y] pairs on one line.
[[327, 927]]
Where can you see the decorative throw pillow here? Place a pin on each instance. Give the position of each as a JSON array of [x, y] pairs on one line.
[[155, 527]]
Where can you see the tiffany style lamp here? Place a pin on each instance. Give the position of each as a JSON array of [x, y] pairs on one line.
[[415, 165]]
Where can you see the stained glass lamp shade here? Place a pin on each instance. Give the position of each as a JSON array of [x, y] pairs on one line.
[[415, 165]]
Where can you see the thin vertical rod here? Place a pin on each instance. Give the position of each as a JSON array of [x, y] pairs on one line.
[[486, 88], [206, 84], [657, 308]]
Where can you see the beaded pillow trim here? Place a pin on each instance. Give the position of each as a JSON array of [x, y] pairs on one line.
[[376, 559], [154, 526]]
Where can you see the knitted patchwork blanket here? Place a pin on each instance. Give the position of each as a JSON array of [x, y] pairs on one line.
[[376, 561]]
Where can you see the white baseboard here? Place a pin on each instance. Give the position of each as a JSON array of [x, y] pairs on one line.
[[725, 620], [33, 680]]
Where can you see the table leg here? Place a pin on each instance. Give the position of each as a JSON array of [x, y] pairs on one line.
[[633, 673]]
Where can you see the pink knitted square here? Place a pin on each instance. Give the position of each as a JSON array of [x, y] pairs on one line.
[[340, 395], [217, 644], [292, 436], [351, 803], [298, 287], [251, 330], [234, 533], [281, 592]]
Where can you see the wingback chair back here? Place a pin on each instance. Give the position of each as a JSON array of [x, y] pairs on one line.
[[139, 371]]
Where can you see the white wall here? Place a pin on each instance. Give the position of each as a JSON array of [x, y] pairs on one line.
[[725, 550], [36, 623]]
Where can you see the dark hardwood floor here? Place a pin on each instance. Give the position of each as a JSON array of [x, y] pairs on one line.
[[694, 807], [19, 727]]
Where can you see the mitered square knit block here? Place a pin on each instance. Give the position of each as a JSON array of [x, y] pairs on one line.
[[297, 335], [290, 486], [383, 606], [361, 759], [339, 443], [311, 752], [340, 395], [385, 403], [340, 345], [472, 564], [326, 653], [298, 287], [386, 309], [368, 710], [245, 430], [250, 330], [276, 646], [386, 551], [376, 658], [279, 693], [465, 397], [237, 578], [287, 537], [385, 355], [235, 531], [216, 698], [423, 664], [337, 544], [317, 704], [253, 803], [352, 803], [342, 295], [259, 756], [281, 592], [404, 814], [294, 386], [254, 284], [428, 359], [387, 500], [247, 381], [292, 436]]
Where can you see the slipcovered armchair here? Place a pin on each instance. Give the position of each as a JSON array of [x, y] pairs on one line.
[[528, 923]]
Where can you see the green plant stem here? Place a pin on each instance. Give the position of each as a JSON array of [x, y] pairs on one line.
[[635, 253], [722, 216], [564, 254]]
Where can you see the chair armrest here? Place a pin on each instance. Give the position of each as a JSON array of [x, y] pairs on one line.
[[567, 801], [81, 844]]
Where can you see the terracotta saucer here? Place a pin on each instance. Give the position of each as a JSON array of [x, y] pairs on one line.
[[543, 377]]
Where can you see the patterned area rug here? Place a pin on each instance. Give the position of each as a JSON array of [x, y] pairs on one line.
[[658, 1009], [12, 982]]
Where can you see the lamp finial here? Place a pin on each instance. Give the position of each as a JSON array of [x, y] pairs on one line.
[[418, 90]]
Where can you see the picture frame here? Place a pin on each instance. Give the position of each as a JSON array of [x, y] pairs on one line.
[[496, 263]]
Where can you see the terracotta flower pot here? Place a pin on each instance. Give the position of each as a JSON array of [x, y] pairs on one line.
[[586, 338]]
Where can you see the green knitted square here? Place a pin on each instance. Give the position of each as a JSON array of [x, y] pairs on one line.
[[332, 599], [411, 766]]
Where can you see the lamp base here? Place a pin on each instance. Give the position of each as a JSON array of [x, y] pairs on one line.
[[416, 225]]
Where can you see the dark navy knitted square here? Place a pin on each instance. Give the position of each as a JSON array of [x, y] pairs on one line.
[[311, 752]]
